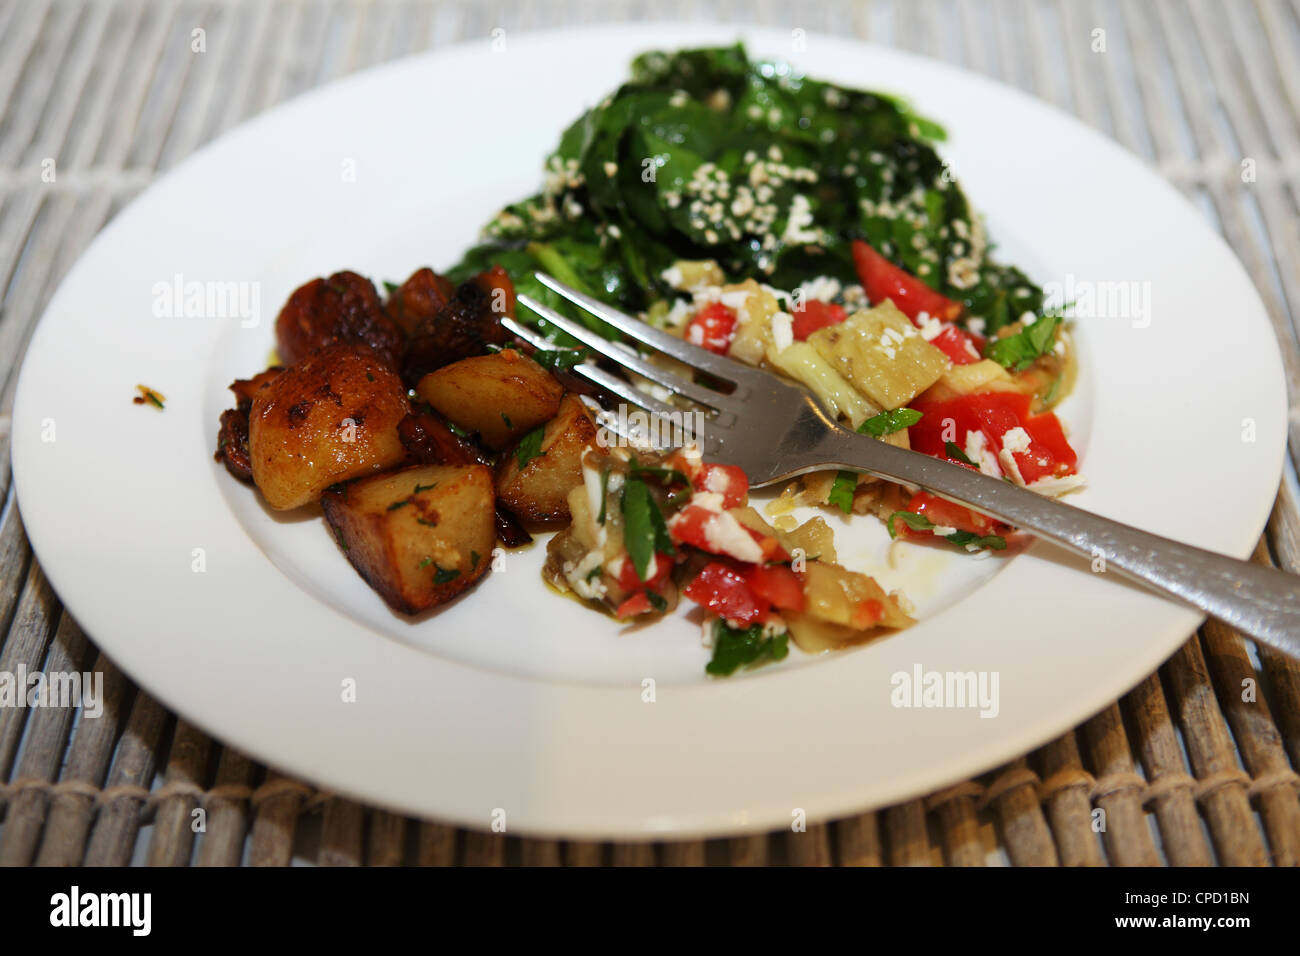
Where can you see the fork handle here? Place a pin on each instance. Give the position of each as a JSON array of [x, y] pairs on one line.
[[1255, 600]]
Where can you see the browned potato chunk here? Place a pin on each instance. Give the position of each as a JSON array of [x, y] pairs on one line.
[[418, 536], [501, 396], [330, 417], [539, 490]]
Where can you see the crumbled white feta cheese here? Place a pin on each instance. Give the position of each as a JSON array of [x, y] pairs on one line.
[[1058, 486], [782, 331], [977, 450], [1015, 439]]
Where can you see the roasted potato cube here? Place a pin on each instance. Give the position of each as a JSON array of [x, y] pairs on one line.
[[331, 417], [418, 536], [344, 308], [501, 396], [538, 489], [883, 354]]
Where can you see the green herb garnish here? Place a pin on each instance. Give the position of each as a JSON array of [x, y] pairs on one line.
[[558, 359], [910, 518], [644, 530], [968, 538], [506, 418], [441, 576], [962, 538], [604, 493], [733, 649], [841, 493], [530, 447], [657, 601], [954, 451], [886, 423], [419, 487], [399, 504], [391, 287], [1017, 352]]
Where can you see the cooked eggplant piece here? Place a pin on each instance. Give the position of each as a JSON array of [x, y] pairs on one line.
[[419, 536], [501, 396], [344, 308], [535, 477], [882, 354], [419, 299], [328, 418], [465, 326], [843, 608]]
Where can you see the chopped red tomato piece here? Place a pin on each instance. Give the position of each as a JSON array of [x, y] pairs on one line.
[[867, 613], [689, 526], [946, 514], [1047, 453], [727, 480], [883, 280], [811, 316], [628, 580], [1050, 454], [724, 590], [638, 603], [958, 345], [772, 550], [776, 584], [713, 327]]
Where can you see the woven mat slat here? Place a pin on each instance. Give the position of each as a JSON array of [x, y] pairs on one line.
[[1117, 792], [1182, 770]]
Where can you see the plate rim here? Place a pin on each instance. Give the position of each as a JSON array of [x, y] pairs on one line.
[[829, 806]]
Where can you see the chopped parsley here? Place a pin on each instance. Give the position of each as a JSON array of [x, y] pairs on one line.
[[426, 562], [841, 493], [644, 530], [530, 446], [399, 504], [1017, 352], [391, 287], [558, 359], [965, 539], [657, 601], [968, 540], [457, 430], [668, 476], [506, 418], [886, 423], [474, 557], [954, 451], [419, 487], [604, 493], [441, 576], [734, 649]]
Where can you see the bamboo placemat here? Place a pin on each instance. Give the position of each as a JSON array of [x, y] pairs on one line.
[[1190, 768]]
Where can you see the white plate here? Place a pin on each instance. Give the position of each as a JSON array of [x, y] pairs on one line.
[[515, 700]]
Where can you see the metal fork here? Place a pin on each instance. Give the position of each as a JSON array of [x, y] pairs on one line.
[[775, 429]]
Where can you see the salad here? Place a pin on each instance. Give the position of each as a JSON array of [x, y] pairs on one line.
[[791, 224]]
